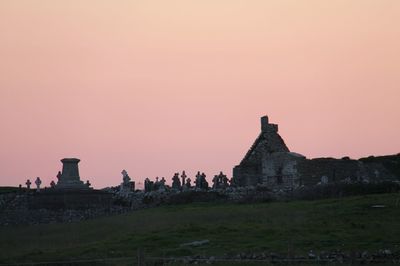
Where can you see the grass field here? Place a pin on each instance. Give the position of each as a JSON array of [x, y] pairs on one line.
[[347, 224]]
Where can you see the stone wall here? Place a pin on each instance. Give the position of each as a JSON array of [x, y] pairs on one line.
[[18, 209], [280, 169], [343, 170], [56, 200], [284, 170], [247, 174]]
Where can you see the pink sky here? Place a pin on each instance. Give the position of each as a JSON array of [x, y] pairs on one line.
[[156, 87]]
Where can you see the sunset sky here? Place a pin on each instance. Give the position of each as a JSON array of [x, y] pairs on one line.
[[156, 87]]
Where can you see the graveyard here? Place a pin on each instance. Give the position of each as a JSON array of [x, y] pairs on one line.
[[222, 132], [278, 206]]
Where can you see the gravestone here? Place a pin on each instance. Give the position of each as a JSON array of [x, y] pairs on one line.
[[38, 182], [188, 183], [162, 184], [70, 192], [183, 176], [69, 178], [204, 183], [127, 184], [197, 181], [156, 184], [147, 185], [176, 182], [224, 179], [201, 182], [216, 182], [28, 184]]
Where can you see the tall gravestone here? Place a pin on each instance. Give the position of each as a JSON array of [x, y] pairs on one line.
[[70, 192], [69, 178]]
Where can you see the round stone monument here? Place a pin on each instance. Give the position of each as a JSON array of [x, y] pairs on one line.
[[69, 178], [70, 192]]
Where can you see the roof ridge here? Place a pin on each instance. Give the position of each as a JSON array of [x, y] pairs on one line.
[[252, 147]]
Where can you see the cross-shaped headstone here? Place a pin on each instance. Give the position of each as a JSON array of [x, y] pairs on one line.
[[38, 182], [28, 183], [183, 176]]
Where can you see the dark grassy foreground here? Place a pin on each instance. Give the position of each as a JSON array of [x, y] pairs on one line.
[[349, 224]]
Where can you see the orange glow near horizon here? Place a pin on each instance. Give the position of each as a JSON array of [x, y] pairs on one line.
[[157, 87]]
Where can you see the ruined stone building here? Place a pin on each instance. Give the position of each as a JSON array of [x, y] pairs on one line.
[[270, 163]]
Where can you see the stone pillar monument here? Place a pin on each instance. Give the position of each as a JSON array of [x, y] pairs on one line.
[[70, 179]]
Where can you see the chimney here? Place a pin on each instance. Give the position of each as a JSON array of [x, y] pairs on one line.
[[264, 123]]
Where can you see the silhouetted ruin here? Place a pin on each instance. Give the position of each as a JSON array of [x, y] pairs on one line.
[[270, 163]]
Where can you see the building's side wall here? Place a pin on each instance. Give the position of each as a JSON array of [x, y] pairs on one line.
[[339, 170], [280, 170], [247, 175], [285, 170]]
